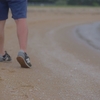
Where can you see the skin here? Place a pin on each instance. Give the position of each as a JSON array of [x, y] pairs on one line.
[[22, 33]]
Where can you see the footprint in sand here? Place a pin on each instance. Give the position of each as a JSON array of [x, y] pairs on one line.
[[12, 71], [3, 69], [27, 86], [1, 79]]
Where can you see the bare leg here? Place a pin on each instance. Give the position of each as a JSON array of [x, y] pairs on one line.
[[22, 33], [2, 24]]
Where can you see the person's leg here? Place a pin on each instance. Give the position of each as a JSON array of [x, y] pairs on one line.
[[3, 16], [2, 24], [22, 33], [19, 14], [4, 56]]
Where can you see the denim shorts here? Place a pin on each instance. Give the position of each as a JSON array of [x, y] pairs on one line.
[[18, 9]]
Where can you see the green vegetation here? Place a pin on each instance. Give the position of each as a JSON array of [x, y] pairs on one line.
[[67, 2]]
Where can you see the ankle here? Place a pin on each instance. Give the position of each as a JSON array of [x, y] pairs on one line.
[[22, 51], [2, 53]]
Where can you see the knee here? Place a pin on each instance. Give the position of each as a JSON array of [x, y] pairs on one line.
[[22, 20]]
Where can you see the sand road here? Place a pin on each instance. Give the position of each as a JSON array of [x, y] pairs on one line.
[[63, 68]]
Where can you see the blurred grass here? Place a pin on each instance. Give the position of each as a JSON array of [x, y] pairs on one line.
[[66, 9], [63, 6]]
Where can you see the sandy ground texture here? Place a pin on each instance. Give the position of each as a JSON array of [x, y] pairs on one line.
[[63, 68]]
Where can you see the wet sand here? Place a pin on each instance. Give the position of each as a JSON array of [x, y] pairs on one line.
[[64, 67], [89, 33]]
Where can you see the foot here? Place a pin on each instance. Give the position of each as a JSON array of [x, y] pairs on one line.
[[24, 60], [5, 58]]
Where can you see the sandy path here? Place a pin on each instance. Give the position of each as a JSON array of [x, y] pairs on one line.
[[58, 73]]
